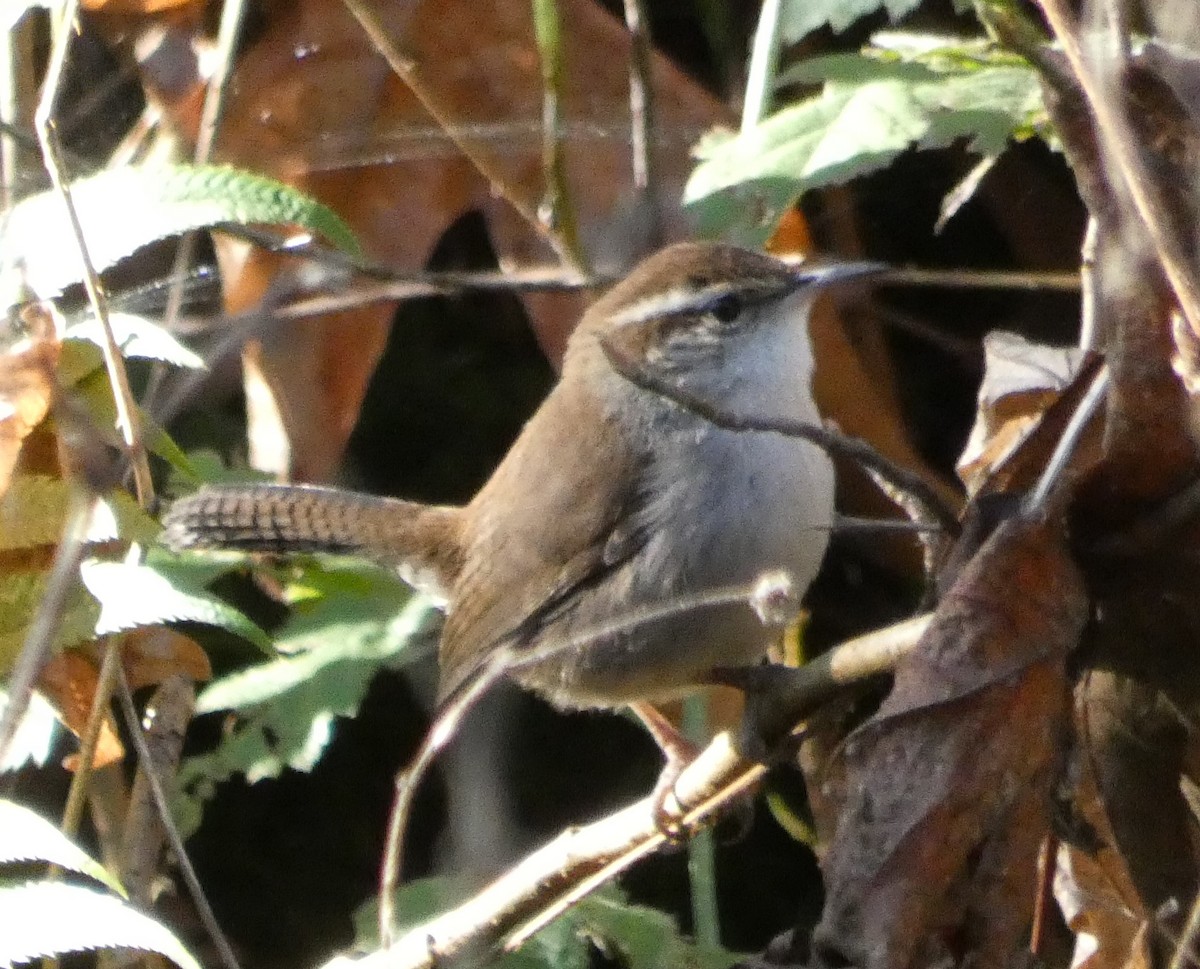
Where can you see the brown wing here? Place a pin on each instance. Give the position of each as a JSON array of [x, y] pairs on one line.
[[559, 528]]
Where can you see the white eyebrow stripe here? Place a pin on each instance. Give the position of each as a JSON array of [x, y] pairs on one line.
[[672, 301]]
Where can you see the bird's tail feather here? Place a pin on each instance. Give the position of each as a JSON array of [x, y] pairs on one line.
[[420, 540]]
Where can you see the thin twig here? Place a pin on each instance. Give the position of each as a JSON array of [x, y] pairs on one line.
[[101, 704], [582, 859], [142, 836], [1044, 897], [405, 69], [16, 94], [62, 580], [174, 838], [127, 416], [1037, 281], [1089, 298], [557, 211], [401, 286], [1065, 448], [833, 442], [1114, 135], [641, 113], [232, 13], [702, 847]]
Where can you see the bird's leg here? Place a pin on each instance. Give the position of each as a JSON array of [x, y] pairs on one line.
[[679, 752]]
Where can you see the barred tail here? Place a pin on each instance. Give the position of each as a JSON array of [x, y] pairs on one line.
[[420, 540]]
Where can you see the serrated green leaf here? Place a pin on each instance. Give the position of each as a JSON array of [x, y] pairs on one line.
[[83, 919], [123, 209], [34, 509], [870, 110], [133, 595], [21, 593], [352, 620], [137, 337], [801, 17], [26, 836], [35, 735]]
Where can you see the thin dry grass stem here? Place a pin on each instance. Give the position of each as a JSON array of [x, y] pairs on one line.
[[232, 14], [127, 415], [62, 579], [1114, 134], [1089, 339], [16, 94], [557, 211], [1047, 865], [110, 665], [580, 860], [406, 70], [641, 113], [400, 286], [1032, 280], [146, 762], [1065, 448]]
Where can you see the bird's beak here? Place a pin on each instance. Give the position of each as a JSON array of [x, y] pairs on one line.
[[820, 275]]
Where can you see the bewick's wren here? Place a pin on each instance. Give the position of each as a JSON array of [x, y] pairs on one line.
[[613, 497]]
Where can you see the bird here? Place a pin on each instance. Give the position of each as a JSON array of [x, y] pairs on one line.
[[613, 501]]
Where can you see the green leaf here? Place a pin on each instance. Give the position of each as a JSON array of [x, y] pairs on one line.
[[123, 209], [350, 620], [21, 593], [26, 836], [801, 17], [645, 937], [873, 106], [95, 391], [137, 337], [630, 935], [51, 918], [133, 595], [34, 509], [416, 902]]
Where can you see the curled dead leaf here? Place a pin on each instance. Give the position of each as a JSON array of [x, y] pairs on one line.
[[935, 858]]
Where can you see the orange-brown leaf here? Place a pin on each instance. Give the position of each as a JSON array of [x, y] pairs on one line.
[[69, 682], [27, 381], [936, 854]]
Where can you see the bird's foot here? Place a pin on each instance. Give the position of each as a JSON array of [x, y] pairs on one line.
[[679, 753]]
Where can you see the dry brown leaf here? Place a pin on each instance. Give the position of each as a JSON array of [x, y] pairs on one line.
[[150, 655], [69, 682], [1093, 888], [1134, 746], [313, 103], [154, 654], [27, 383], [1021, 380], [935, 858]]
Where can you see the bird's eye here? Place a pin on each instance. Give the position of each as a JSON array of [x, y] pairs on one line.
[[727, 308]]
